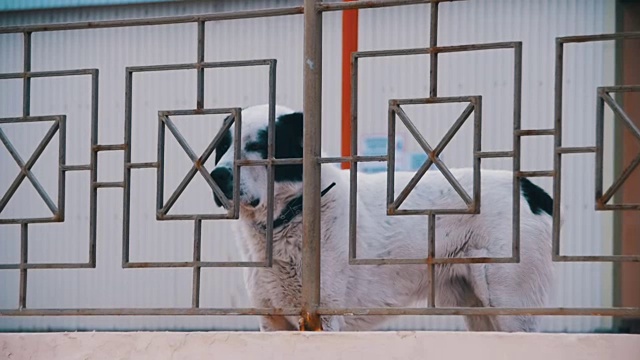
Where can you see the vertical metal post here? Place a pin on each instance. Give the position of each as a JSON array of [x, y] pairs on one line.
[[197, 250], [517, 147], [433, 54], [557, 156], [26, 83], [431, 248], [312, 107], [24, 255], [126, 191], [200, 79], [24, 229], [93, 196]]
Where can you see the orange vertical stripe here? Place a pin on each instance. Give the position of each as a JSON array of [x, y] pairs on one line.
[[349, 45]]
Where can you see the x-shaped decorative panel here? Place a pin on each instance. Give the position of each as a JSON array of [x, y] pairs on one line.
[[164, 121], [58, 127], [474, 106]]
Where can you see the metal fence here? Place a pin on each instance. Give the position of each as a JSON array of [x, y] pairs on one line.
[[311, 161]]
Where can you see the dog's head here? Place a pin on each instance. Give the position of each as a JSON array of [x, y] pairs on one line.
[[253, 146]]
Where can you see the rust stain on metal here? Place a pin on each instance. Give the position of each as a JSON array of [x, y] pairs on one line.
[[309, 322]]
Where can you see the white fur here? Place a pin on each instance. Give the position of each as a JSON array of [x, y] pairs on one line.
[[487, 234]]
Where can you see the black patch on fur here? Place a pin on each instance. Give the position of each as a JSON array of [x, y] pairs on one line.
[[288, 145], [225, 142], [537, 198]]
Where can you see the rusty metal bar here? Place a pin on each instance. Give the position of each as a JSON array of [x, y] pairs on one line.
[[114, 184], [186, 112], [352, 159], [24, 259], [312, 108], [237, 120], [271, 143], [266, 162], [535, 132], [41, 266], [192, 264], [600, 37], [626, 120], [440, 49], [30, 119], [26, 67], [353, 168], [160, 162], [494, 154], [433, 56], [200, 71], [225, 216], [486, 311], [618, 183], [391, 164], [76, 167], [444, 211], [151, 312], [618, 207], [40, 220], [598, 258], [109, 147], [168, 20], [145, 165], [370, 4], [126, 193], [615, 311], [599, 148], [197, 249], [557, 156], [41, 74], [618, 88], [517, 151], [435, 261], [477, 149], [431, 249], [204, 65], [577, 150], [540, 173]]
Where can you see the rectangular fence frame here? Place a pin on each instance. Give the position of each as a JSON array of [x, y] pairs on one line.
[[312, 75]]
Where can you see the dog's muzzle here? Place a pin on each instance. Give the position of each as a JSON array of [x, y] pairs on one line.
[[224, 178]]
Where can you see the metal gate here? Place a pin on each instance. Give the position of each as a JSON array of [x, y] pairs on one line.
[[311, 162]]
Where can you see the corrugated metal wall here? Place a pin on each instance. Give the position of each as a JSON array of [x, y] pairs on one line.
[[488, 73]]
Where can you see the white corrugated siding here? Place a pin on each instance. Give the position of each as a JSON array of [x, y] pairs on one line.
[[488, 73]]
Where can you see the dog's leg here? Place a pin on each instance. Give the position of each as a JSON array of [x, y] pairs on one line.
[[275, 323], [494, 288], [332, 323], [456, 289]]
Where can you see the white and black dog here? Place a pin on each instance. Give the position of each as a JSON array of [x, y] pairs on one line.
[[487, 234]]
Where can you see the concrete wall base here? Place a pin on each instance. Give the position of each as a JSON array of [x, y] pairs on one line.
[[296, 345]]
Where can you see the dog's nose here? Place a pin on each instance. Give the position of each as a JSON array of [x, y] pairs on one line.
[[222, 176]]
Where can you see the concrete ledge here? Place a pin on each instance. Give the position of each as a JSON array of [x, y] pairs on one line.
[[295, 345]]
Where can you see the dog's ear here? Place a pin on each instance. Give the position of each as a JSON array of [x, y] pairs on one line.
[[289, 128], [225, 142]]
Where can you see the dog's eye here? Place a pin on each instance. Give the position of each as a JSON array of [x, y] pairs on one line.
[[255, 146]]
